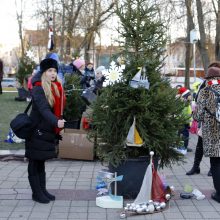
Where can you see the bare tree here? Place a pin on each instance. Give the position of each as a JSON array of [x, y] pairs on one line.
[[202, 41], [62, 30], [190, 26], [19, 14], [72, 16], [93, 22], [217, 35]]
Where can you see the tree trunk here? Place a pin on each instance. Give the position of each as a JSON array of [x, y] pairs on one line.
[[54, 29], [190, 26], [62, 32], [202, 41], [217, 36], [68, 43], [20, 24]]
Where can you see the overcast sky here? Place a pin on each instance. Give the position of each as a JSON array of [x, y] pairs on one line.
[[8, 22], [9, 28]]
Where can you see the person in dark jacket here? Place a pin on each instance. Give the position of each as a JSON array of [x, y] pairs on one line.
[[88, 78], [48, 101]]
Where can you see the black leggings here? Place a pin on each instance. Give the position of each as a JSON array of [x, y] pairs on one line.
[[35, 167]]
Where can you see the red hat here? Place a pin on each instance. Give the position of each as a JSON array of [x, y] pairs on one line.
[[183, 91]]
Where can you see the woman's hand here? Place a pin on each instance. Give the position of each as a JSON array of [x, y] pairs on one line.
[[60, 123]]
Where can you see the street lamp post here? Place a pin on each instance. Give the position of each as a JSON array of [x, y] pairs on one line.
[[193, 40], [194, 60]]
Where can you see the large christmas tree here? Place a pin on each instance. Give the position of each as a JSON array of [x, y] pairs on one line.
[[157, 111]]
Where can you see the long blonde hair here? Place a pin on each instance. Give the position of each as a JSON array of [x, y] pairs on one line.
[[46, 85]]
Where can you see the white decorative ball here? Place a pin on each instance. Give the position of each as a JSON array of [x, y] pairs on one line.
[[162, 205], [137, 206], [144, 207], [134, 209], [130, 208], [151, 208], [167, 196], [152, 153], [172, 188], [158, 207], [122, 215], [139, 210], [156, 203]]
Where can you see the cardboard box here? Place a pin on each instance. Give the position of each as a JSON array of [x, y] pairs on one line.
[[75, 145]]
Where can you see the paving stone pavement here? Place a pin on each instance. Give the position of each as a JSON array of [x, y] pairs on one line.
[[73, 182]]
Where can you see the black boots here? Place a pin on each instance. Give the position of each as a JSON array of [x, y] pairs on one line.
[[215, 197], [194, 170], [215, 169], [38, 194], [197, 159], [42, 178]]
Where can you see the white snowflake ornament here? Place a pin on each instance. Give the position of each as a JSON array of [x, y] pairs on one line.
[[114, 72], [30, 54]]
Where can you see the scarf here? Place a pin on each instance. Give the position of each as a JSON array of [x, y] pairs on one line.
[[57, 107]]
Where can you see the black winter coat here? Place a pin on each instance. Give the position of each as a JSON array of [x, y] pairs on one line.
[[42, 144]]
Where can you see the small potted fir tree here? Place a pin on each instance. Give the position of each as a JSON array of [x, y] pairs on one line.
[[157, 111], [25, 68], [74, 102]]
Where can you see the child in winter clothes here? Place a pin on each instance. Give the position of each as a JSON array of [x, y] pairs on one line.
[[185, 95]]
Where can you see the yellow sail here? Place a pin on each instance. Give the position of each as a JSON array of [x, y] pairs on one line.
[[133, 138], [137, 138]]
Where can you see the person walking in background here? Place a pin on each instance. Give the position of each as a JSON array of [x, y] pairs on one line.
[[88, 76], [99, 78], [79, 66], [29, 84], [206, 104], [1, 74], [48, 101]]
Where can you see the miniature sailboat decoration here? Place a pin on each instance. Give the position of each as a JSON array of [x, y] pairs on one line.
[[140, 81], [133, 139]]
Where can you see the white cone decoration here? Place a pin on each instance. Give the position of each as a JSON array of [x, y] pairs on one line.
[[145, 191]]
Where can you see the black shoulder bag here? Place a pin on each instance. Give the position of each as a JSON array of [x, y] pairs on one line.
[[22, 125]]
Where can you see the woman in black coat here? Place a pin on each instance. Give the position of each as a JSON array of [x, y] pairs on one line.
[[47, 98]]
